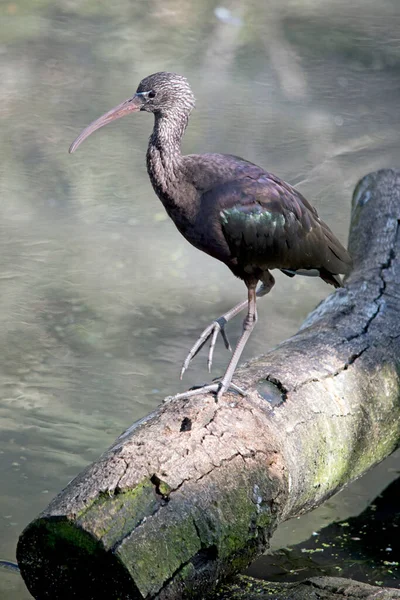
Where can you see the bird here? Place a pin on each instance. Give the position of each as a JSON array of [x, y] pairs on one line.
[[231, 209]]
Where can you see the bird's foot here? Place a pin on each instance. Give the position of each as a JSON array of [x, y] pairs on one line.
[[212, 331], [217, 388]]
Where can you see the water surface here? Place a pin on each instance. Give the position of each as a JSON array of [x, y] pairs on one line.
[[101, 296]]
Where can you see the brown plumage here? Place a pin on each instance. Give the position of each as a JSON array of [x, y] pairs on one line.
[[229, 208]]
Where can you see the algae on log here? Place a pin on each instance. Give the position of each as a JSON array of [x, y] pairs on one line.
[[192, 493]]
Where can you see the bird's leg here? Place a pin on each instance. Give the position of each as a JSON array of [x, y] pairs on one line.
[[218, 326], [248, 326], [219, 388]]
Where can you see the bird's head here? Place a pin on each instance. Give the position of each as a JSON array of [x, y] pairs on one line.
[[161, 93], [165, 92]]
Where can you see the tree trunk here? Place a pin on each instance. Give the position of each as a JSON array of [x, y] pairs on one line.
[[192, 493]]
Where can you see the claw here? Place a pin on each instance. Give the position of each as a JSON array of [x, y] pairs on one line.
[[212, 331], [225, 338], [211, 350]]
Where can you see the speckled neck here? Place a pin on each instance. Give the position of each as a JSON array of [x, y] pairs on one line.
[[164, 157]]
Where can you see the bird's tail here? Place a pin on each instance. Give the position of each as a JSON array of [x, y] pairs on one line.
[[330, 278]]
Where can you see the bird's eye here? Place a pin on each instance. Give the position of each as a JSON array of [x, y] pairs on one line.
[[151, 94]]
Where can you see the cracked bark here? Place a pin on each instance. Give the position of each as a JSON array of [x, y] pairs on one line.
[[192, 493]]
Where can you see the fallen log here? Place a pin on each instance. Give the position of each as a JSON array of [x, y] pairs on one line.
[[192, 493]]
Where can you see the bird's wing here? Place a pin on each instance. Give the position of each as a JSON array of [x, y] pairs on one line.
[[266, 221]]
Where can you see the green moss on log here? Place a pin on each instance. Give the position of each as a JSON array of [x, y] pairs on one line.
[[63, 531], [159, 549], [112, 517]]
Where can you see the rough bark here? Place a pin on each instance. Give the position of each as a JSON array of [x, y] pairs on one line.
[[193, 492]]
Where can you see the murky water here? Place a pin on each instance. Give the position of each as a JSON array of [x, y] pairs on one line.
[[101, 297]]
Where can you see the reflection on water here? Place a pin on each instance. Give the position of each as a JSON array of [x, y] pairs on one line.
[[101, 297]]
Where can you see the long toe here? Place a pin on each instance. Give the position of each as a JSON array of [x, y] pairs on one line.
[[201, 391], [217, 326], [212, 332], [216, 388]]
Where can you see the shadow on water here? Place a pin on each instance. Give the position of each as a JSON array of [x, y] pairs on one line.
[[365, 548]]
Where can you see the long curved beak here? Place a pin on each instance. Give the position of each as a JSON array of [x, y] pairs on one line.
[[131, 105]]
